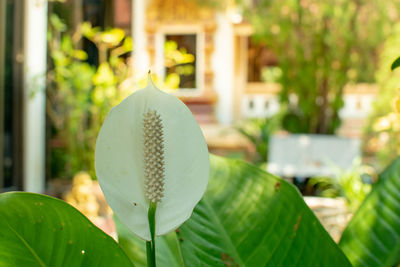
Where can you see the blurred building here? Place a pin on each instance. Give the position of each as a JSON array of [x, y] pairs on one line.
[[229, 78], [226, 67], [234, 77]]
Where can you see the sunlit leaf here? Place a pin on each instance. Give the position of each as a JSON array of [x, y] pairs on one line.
[[88, 31], [246, 218], [397, 104], [372, 238], [112, 37], [395, 64], [80, 54], [57, 23], [104, 75], [37, 230]]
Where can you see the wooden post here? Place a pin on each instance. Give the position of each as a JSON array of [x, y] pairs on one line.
[[78, 13], [240, 71], [17, 93], [2, 66]]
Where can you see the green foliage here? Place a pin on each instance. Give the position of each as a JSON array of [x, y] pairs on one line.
[[381, 140], [179, 63], [349, 184], [372, 237], [321, 46], [258, 132], [246, 218], [80, 95], [37, 230], [271, 74]]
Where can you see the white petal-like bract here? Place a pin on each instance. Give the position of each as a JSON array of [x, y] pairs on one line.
[[120, 161]]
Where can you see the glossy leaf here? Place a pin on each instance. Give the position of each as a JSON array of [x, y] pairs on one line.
[[113, 36], [251, 218], [120, 161], [372, 238], [37, 230], [395, 64]]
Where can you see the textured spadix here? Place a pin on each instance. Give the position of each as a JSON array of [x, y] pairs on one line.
[[150, 147]]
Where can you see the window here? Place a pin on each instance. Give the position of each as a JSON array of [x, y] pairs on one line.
[[261, 63], [359, 104], [251, 104], [266, 104], [180, 61]]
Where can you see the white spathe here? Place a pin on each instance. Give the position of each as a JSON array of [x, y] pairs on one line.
[[119, 161]]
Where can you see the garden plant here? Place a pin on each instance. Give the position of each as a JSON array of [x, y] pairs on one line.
[[80, 94], [381, 134], [321, 46]]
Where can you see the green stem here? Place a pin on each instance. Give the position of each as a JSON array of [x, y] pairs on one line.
[[151, 245], [149, 253]]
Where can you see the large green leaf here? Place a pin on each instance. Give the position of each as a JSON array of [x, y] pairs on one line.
[[249, 218], [37, 230], [372, 238]]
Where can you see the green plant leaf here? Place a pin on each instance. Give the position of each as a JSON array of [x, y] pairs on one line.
[[395, 64], [37, 230], [79, 54], [104, 75], [88, 31], [57, 23], [251, 218], [113, 36], [372, 238]]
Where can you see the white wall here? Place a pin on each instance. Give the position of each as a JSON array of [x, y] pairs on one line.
[[35, 27], [259, 105], [356, 106], [223, 67]]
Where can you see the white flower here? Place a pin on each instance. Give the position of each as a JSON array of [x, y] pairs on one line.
[[151, 148]]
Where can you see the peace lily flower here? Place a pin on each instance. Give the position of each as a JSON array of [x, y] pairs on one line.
[[150, 150]]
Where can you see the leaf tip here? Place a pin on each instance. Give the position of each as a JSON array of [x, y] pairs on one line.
[[395, 64], [150, 82]]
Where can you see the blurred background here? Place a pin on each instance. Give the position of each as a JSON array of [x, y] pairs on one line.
[[301, 88]]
